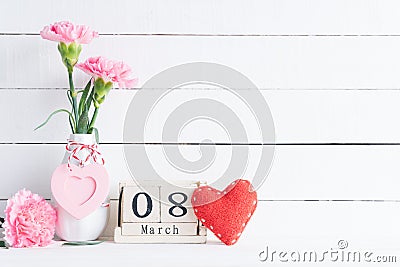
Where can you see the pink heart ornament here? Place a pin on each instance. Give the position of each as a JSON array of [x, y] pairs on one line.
[[80, 190]]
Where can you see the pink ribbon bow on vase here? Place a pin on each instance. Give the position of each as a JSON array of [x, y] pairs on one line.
[[74, 148]]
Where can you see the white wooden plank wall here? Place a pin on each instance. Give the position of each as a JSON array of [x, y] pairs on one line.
[[271, 62], [328, 69]]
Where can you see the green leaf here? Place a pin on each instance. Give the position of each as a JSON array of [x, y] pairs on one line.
[[69, 96], [71, 125], [54, 113], [85, 93], [96, 133], [90, 99], [82, 243], [83, 123]]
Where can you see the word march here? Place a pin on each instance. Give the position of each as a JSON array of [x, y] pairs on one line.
[[160, 230]]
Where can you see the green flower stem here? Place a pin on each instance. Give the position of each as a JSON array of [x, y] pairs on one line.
[[91, 126], [73, 96]]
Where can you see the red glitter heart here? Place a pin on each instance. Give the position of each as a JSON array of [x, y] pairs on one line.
[[225, 213]]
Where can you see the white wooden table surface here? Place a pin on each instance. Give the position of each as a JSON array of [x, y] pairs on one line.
[[286, 228], [213, 253]]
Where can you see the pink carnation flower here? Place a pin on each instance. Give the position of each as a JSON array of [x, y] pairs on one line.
[[30, 220], [67, 32], [109, 70]]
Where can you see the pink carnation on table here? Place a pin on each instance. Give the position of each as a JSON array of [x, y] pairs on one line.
[[30, 220], [109, 70], [67, 32]]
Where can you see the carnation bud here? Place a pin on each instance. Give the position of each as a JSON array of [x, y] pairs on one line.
[[101, 89], [69, 54]]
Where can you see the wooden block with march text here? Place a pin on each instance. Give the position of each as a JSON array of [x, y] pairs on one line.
[[168, 229], [152, 213], [162, 239]]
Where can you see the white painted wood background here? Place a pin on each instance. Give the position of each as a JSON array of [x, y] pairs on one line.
[[328, 69]]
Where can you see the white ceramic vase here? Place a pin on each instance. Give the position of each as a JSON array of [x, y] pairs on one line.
[[90, 227]]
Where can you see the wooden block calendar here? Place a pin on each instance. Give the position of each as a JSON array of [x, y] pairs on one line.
[[153, 213]]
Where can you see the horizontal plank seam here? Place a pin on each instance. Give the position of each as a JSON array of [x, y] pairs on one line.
[[212, 144], [217, 35], [215, 89], [299, 200]]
